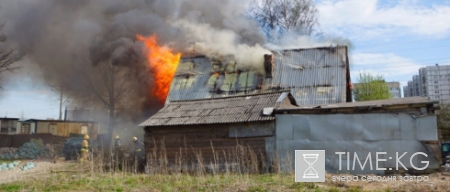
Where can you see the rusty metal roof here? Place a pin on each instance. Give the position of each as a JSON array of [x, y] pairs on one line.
[[236, 109], [314, 76], [405, 102]]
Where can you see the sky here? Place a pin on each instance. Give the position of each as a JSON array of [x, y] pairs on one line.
[[391, 38]]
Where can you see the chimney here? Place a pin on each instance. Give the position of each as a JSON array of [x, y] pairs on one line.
[[268, 65]]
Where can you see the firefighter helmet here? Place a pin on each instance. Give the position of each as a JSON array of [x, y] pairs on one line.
[[86, 136]]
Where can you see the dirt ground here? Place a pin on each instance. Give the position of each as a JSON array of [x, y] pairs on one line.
[[436, 182], [41, 168]]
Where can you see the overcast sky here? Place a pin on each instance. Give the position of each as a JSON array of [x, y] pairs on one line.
[[391, 38]]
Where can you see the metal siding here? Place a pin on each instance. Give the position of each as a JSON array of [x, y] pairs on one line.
[[285, 154], [301, 127], [425, 129], [319, 128], [284, 127], [354, 127], [251, 130], [407, 127], [304, 71], [298, 70], [382, 133]]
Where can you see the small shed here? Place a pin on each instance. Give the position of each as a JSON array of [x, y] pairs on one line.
[[62, 128], [214, 132], [404, 125], [9, 125]]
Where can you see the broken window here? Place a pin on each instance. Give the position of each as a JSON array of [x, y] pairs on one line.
[[229, 83], [246, 80], [184, 82]]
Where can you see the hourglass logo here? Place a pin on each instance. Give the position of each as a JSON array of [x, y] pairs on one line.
[[309, 165]]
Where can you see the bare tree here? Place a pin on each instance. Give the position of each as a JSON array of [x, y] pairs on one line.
[[298, 16], [8, 57], [106, 86]]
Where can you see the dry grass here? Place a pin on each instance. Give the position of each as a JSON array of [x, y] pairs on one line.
[[121, 181], [237, 170]]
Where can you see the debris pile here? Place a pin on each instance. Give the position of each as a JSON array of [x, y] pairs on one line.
[[30, 150], [27, 166], [8, 153], [8, 166]]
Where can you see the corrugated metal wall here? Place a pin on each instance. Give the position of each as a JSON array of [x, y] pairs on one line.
[[357, 133], [314, 76]]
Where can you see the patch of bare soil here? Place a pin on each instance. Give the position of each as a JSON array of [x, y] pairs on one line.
[[435, 182], [41, 168]]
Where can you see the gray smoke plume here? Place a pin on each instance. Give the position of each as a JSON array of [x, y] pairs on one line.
[[71, 40]]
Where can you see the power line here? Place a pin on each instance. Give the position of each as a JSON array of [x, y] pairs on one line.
[[437, 59]]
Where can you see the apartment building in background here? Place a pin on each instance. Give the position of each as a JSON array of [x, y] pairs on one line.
[[394, 89], [432, 82]]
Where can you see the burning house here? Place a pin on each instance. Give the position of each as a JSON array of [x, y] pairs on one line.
[[222, 114], [314, 76]]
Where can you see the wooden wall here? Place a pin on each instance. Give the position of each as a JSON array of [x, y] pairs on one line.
[[64, 129], [208, 144]]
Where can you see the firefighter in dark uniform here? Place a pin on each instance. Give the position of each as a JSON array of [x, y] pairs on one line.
[[139, 155], [118, 152]]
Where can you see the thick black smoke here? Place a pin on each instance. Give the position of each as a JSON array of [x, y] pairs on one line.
[[72, 41]]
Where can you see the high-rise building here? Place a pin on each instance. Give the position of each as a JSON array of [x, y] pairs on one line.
[[432, 82], [405, 91], [394, 89]]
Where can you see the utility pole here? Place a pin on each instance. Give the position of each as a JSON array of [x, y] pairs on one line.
[[61, 104], [61, 90]]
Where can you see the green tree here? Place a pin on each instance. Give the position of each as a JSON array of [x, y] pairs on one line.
[[371, 87]]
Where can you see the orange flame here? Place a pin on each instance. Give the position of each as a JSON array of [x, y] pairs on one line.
[[163, 65]]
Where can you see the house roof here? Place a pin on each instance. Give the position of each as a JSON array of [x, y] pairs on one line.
[[317, 75], [8, 118], [248, 108], [56, 121], [369, 105]]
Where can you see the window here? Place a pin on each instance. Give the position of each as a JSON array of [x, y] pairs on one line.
[[437, 87], [435, 82], [437, 92], [12, 126]]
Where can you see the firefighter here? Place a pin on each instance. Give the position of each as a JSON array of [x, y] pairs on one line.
[[84, 149], [117, 151], [139, 155]]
